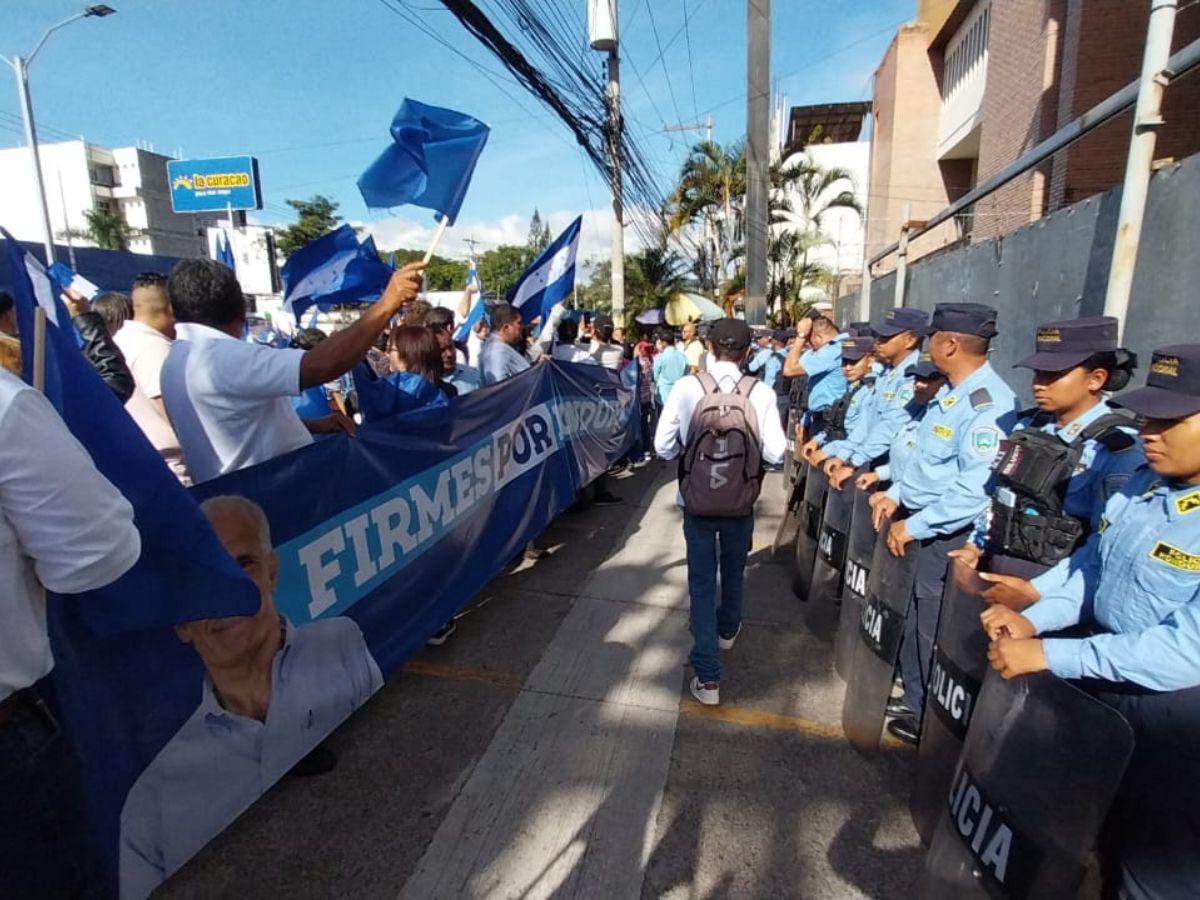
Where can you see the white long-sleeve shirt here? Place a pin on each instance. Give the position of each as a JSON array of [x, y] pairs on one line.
[[671, 436]]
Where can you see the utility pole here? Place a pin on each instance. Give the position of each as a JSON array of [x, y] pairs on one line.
[[471, 242], [614, 162], [705, 126], [758, 127]]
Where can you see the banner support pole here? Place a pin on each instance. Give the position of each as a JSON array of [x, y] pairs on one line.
[[39, 349]]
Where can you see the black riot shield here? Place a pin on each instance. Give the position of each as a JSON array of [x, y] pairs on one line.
[[959, 664], [1039, 770], [816, 486], [785, 536], [821, 614], [880, 630], [860, 547]]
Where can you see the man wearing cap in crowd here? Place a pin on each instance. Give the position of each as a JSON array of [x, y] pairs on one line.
[[1076, 362], [938, 497], [897, 346], [1137, 583], [717, 542]]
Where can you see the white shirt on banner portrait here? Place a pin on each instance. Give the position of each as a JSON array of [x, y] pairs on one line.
[[63, 527], [227, 400]]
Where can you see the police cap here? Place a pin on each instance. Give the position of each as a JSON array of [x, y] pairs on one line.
[[964, 318], [1064, 345], [900, 319], [1172, 388], [859, 329], [855, 348], [730, 334], [923, 368]]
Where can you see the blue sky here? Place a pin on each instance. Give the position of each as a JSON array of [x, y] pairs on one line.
[[310, 87]]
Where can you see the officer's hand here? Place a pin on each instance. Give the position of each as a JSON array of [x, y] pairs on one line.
[[1012, 657], [839, 474], [968, 554], [1000, 621], [831, 463], [883, 506], [898, 538], [866, 481], [1008, 590]]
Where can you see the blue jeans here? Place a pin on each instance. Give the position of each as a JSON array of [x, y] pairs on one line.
[[702, 534]]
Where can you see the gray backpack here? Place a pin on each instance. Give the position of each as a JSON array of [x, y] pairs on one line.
[[721, 468]]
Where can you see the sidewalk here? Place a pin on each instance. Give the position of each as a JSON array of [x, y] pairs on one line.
[[551, 749]]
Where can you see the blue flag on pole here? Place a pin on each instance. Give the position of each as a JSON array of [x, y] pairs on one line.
[[184, 573], [476, 312], [430, 161], [550, 278], [331, 270], [225, 251]]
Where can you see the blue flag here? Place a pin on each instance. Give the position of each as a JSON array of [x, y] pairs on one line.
[[430, 161], [225, 251], [331, 270], [184, 573], [476, 313], [550, 278]]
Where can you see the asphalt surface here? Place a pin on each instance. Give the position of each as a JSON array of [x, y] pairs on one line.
[[551, 748]]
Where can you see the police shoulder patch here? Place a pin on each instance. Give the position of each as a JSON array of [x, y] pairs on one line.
[[1175, 558], [906, 393], [1188, 503], [981, 399], [984, 440]]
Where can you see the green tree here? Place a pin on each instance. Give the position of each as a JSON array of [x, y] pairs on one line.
[[539, 234], [501, 268], [107, 229], [710, 196], [442, 274], [316, 216]]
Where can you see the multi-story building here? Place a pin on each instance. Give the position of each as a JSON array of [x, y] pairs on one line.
[[81, 177], [971, 85]]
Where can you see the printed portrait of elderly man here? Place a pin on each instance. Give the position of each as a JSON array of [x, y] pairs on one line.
[[271, 692]]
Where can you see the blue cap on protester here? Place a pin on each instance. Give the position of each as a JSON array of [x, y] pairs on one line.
[[1172, 388], [900, 319]]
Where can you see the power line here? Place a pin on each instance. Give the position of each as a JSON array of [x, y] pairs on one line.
[[662, 59], [687, 34]]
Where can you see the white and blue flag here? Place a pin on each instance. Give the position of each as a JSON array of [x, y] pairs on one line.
[[72, 281], [550, 278], [476, 313], [333, 269]]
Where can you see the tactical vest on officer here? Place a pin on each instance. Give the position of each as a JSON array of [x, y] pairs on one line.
[[832, 420], [1033, 469]]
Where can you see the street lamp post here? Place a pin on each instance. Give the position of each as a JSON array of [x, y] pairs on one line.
[[20, 67]]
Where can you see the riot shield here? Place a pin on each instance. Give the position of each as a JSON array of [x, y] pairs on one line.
[[856, 573], [789, 526], [880, 630], [816, 486], [959, 664], [821, 615], [1039, 770]]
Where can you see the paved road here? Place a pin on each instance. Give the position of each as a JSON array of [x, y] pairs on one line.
[[551, 749]]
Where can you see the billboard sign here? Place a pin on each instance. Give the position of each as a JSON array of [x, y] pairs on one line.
[[214, 185]]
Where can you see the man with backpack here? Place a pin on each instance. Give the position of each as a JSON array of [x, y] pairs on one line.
[[723, 425]]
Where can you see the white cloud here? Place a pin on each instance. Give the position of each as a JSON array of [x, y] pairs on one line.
[[402, 232]]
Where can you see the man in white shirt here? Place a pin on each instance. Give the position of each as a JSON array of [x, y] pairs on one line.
[[227, 399], [712, 541], [145, 341], [603, 350], [566, 349], [692, 347], [65, 528]]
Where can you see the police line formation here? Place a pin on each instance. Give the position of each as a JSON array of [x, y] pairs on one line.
[[1015, 591]]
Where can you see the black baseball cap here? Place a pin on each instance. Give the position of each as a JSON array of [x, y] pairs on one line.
[[1172, 388], [964, 318], [855, 348], [602, 320], [900, 319], [730, 334], [1064, 345]]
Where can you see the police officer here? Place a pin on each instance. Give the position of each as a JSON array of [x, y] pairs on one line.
[[927, 381], [1137, 579], [1046, 501], [897, 346], [940, 494], [783, 386], [765, 361], [817, 355], [848, 419]]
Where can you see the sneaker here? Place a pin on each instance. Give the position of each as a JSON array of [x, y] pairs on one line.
[[607, 498], [727, 642], [638, 463], [708, 693], [906, 728], [440, 636]]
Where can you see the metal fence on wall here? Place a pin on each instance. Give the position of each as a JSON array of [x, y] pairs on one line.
[[1057, 268]]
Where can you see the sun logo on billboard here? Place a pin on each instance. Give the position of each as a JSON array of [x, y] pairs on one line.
[[181, 181]]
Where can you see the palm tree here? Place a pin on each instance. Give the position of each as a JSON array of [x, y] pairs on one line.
[[710, 194], [107, 229]]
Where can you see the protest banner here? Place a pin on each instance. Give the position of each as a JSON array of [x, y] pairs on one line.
[[380, 540]]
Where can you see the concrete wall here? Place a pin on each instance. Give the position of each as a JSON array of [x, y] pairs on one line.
[[1057, 268]]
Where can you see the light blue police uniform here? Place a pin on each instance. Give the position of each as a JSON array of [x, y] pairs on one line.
[[218, 762], [826, 381], [859, 415], [903, 449], [1100, 473], [959, 436], [891, 411], [767, 361]]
